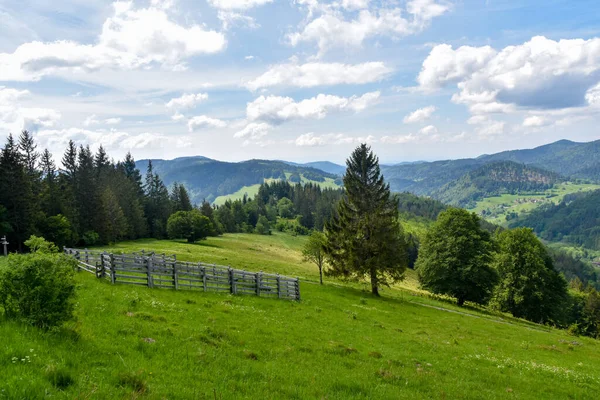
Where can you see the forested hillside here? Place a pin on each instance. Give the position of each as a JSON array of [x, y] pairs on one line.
[[504, 177], [574, 220], [566, 158], [206, 179]]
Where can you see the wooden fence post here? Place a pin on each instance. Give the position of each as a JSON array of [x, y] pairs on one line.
[[257, 280], [149, 264], [113, 277], [87, 257], [203, 269], [297, 289], [175, 276], [278, 286], [232, 281]]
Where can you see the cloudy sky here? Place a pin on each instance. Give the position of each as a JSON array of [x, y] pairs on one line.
[[300, 80]]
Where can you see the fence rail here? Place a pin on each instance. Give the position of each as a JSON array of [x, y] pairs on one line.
[[165, 271]]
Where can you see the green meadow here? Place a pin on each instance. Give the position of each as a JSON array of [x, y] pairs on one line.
[[338, 342]]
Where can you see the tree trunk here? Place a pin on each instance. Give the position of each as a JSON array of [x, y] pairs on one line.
[[374, 286], [321, 273]]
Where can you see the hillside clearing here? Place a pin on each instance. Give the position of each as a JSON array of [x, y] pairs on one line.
[[338, 343]]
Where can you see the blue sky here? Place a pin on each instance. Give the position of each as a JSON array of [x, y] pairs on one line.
[[300, 80]]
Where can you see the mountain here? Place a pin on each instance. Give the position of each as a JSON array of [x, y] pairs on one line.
[[493, 179], [571, 159], [567, 158], [574, 220], [326, 166], [205, 178]]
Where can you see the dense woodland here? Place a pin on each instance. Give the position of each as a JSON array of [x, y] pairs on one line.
[[576, 219], [495, 179]]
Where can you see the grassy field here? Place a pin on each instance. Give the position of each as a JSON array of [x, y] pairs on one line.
[[337, 343], [498, 207]]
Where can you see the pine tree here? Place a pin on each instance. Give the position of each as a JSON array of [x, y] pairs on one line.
[[50, 195], [365, 239]]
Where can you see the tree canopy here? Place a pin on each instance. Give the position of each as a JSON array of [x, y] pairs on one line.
[[454, 258]]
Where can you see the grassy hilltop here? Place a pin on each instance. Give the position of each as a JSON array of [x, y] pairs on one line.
[[337, 343]]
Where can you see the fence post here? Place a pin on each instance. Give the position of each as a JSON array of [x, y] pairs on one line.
[[87, 257], [203, 269], [113, 277], [257, 280], [175, 276], [149, 262], [232, 281], [297, 289], [278, 286], [77, 257]]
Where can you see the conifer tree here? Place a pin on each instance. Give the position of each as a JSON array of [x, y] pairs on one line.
[[365, 239]]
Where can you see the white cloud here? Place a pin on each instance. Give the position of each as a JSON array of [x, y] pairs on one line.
[[428, 130], [491, 128], [254, 131], [319, 74], [229, 19], [14, 117], [477, 119], [130, 38], [237, 4], [248, 58], [534, 122], [177, 117], [312, 140], [278, 109], [202, 121], [93, 120], [540, 74], [419, 115], [186, 101], [112, 121], [331, 29]]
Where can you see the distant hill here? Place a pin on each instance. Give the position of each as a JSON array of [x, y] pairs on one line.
[[569, 159], [326, 166], [496, 178], [207, 179], [574, 220]]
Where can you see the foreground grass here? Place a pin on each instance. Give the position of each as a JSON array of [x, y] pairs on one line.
[[338, 343]]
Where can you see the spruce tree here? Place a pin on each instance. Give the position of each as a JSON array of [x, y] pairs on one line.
[[365, 239]]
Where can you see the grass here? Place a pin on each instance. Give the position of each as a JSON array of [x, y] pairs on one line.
[[499, 206], [337, 343]]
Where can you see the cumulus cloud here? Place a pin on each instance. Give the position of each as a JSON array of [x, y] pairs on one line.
[[331, 29], [540, 74], [186, 101], [177, 117], [428, 130], [237, 4], [93, 120], [130, 38], [14, 117], [312, 140], [277, 109], [202, 121], [230, 18], [534, 121], [419, 115], [319, 74], [254, 130]]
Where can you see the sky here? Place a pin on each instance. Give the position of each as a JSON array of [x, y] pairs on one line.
[[301, 80]]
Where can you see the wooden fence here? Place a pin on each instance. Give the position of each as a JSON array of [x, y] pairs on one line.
[[164, 271]]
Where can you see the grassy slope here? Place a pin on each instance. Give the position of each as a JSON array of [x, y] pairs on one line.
[[338, 343], [507, 203]]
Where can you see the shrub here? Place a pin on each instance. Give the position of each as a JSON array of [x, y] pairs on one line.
[[38, 289], [40, 245]]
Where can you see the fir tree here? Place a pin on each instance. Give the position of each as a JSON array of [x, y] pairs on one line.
[[365, 239]]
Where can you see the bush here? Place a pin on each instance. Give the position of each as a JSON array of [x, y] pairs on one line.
[[38, 289], [40, 245]]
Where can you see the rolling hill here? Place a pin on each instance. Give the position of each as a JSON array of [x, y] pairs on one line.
[[496, 178], [208, 179], [567, 158]]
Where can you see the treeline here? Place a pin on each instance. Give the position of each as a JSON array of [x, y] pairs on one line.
[[91, 199], [575, 220], [296, 208]]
